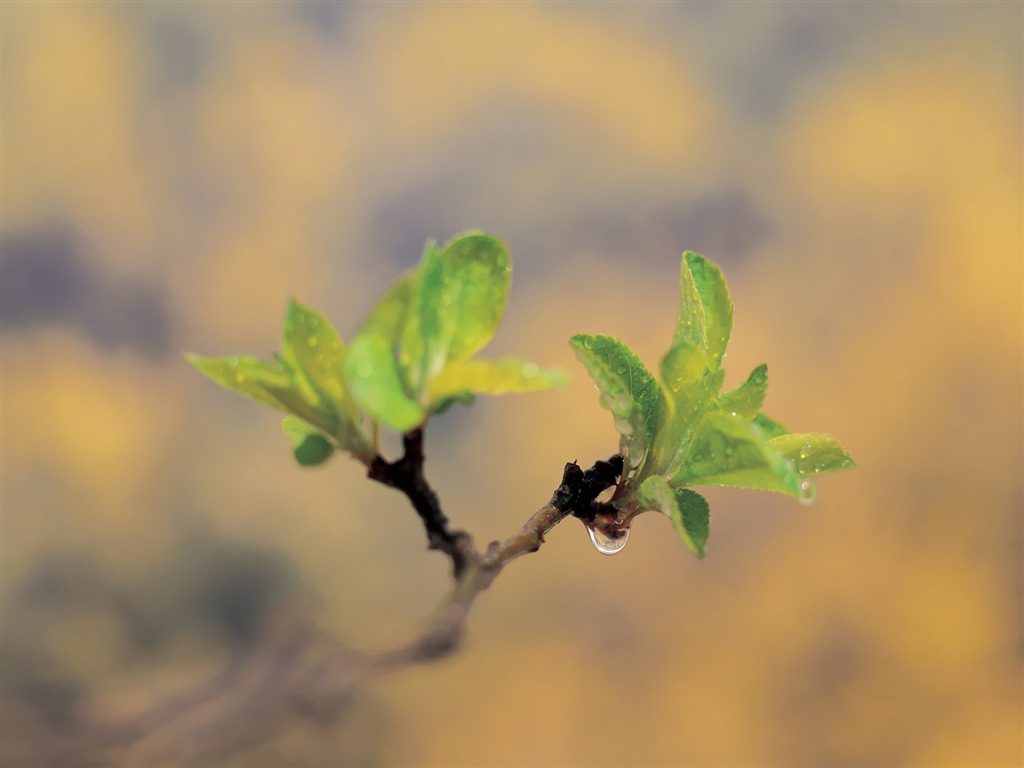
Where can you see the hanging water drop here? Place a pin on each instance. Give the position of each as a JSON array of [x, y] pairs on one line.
[[807, 492], [608, 541]]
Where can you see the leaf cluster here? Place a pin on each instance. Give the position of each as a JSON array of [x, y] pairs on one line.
[[413, 356], [679, 429]]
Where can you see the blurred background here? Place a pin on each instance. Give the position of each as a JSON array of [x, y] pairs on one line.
[[174, 172]]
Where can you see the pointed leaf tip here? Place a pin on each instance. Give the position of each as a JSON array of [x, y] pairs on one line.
[[314, 347], [716, 302], [256, 379], [746, 399]]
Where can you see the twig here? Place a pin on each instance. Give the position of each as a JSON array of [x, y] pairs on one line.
[[406, 475], [575, 496], [295, 669]]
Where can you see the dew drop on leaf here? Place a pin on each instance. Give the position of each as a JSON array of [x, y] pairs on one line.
[[364, 369], [807, 492], [530, 371], [608, 541]]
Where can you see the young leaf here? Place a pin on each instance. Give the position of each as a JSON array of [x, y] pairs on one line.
[[729, 450], [683, 365], [627, 389], [770, 427], [247, 376], [696, 516], [812, 453], [309, 445], [272, 384], [313, 346], [687, 510], [691, 324], [387, 319], [462, 294], [375, 383], [411, 346], [498, 377], [714, 296], [746, 399], [675, 433], [372, 368]]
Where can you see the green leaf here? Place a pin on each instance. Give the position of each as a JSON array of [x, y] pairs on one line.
[[375, 383], [387, 319], [812, 453], [687, 510], [730, 450], [272, 384], [683, 365], [313, 346], [309, 445], [373, 373], [497, 377], [714, 296], [411, 347], [691, 324], [770, 427], [746, 399], [247, 376], [676, 431], [627, 389], [696, 516], [461, 298]]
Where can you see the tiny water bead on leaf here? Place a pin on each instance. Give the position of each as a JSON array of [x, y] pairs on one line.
[[412, 358], [681, 430]]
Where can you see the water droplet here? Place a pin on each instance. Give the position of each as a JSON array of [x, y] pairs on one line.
[[311, 341], [608, 541], [622, 370], [588, 343], [530, 371], [364, 368], [807, 492]]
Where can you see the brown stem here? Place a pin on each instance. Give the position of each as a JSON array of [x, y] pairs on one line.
[[406, 475], [296, 669], [575, 496]]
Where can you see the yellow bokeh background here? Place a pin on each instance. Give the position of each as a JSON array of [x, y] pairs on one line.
[[173, 172]]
